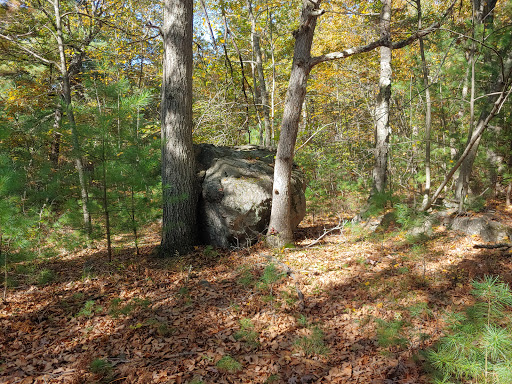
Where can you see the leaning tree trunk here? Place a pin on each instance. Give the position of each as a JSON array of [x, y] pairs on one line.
[[178, 176], [66, 95], [496, 99], [382, 129], [483, 11], [280, 228]]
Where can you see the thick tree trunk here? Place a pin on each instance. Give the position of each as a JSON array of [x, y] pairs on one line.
[[382, 129], [66, 95], [178, 176], [280, 230]]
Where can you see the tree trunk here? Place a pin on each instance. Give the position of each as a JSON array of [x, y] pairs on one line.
[[497, 98], [280, 229], [55, 144], [428, 113], [482, 14], [66, 95], [262, 86], [178, 175], [382, 129]]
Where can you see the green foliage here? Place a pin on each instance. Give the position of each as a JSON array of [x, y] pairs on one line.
[[229, 364], [478, 346], [273, 379], [246, 276], [303, 321], [46, 276], [390, 333], [210, 252], [313, 344], [247, 333], [270, 276], [101, 368], [117, 308], [378, 203], [420, 310], [408, 217], [89, 309]]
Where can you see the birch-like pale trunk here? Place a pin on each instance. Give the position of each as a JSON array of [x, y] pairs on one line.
[[428, 112], [280, 229], [501, 91], [382, 129], [178, 172]]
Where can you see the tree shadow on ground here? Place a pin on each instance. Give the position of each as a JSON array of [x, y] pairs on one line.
[[170, 320]]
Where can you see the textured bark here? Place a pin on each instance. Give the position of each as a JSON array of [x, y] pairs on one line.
[[280, 229], [382, 129], [178, 176], [66, 95]]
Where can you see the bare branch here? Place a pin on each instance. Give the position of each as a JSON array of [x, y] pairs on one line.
[[346, 53], [381, 42], [339, 227], [26, 50]]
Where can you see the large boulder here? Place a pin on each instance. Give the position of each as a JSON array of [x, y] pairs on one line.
[[485, 226], [236, 194]]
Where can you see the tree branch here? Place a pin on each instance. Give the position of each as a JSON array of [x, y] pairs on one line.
[[346, 53], [381, 42], [26, 50]]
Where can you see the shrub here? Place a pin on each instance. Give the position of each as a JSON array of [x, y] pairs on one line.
[[478, 346], [247, 333], [101, 367], [313, 344], [229, 364]]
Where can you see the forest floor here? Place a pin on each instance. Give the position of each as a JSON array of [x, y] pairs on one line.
[[354, 308]]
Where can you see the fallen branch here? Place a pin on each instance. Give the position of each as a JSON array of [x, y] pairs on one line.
[[500, 246], [340, 226]]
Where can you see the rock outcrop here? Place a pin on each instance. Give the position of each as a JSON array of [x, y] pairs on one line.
[[236, 194]]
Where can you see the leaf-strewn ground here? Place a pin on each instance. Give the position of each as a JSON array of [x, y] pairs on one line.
[[370, 305]]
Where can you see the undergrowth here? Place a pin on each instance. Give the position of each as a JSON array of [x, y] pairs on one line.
[[478, 345]]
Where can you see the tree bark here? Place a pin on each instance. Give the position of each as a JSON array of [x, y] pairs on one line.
[[55, 144], [382, 129], [280, 230], [428, 112], [178, 175]]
